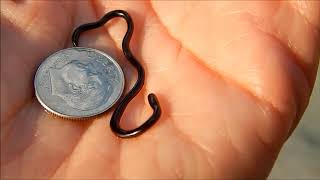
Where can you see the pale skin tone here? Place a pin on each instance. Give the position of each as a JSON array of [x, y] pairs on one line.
[[233, 79]]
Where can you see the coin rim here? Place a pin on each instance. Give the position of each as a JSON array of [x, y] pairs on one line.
[[91, 114]]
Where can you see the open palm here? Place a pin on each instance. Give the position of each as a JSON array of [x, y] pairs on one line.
[[233, 79]]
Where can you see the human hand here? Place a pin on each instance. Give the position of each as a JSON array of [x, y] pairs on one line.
[[232, 78]]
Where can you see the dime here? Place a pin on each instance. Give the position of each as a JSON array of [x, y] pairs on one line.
[[78, 82]]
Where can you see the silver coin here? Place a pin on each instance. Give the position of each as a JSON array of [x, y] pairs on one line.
[[78, 82]]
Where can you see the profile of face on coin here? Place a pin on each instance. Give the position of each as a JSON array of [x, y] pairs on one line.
[[78, 82], [80, 85]]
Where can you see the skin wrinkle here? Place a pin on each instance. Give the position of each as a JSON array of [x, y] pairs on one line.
[[64, 164], [181, 114], [70, 12], [196, 145], [268, 115], [8, 128], [259, 99], [205, 149], [156, 158], [62, 161], [67, 157], [16, 108], [9, 16], [4, 131], [222, 77], [180, 47], [70, 22], [35, 140], [15, 113], [178, 170], [183, 19], [302, 14], [276, 34], [160, 70], [264, 104], [241, 36], [28, 26], [278, 113], [10, 133], [140, 38], [257, 22], [296, 60], [234, 12], [271, 150], [315, 27], [68, 42], [11, 114]]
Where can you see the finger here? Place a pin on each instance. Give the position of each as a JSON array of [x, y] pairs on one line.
[[35, 19], [55, 137], [30, 31], [34, 139]]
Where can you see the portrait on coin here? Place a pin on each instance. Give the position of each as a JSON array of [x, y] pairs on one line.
[[80, 85]]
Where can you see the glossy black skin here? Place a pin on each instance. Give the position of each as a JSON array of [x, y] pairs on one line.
[[153, 101]]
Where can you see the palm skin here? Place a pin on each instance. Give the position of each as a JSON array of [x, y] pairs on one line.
[[233, 79]]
